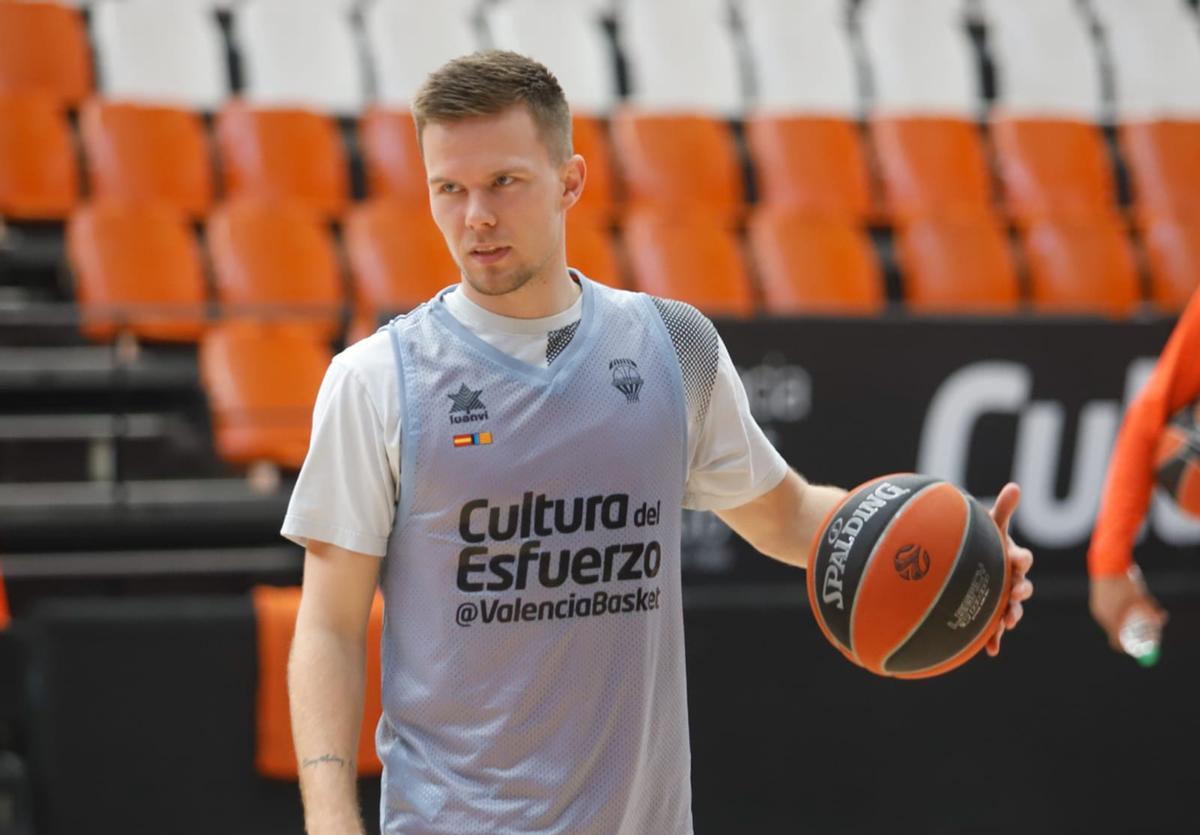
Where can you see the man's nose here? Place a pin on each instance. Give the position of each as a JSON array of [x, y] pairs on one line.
[[479, 213]]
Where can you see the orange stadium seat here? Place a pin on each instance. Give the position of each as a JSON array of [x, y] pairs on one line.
[[1052, 167], [694, 258], [590, 138], [687, 162], [1173, 253], [592, 250], [931, 165], [959, 264], [275, 611], [268, 253], [392, 156], [130, 257], [283, 154], [808, 264], [262, 381], [813, 164], [140, 152], [1081, 265], [44, 47], [1164, 166], [39, 176], [397, 256]]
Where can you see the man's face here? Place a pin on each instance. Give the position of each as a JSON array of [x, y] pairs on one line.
[[499, 197]]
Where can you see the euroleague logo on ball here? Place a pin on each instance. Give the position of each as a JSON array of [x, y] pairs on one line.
[[912, 562]]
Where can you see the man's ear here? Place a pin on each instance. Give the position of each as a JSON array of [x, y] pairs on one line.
[[574, 175]]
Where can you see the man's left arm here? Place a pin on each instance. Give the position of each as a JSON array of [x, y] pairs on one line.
[[783, 523]]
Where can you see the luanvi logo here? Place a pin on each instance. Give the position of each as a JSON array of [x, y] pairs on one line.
[[626, 379], [912, 562], [467, 407]]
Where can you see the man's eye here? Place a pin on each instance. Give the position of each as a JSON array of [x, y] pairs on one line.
[[449, 188], [504, 180]]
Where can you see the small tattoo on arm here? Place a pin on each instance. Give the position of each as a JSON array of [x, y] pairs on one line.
[[324, 758]]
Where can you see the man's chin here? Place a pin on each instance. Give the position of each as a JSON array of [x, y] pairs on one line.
[[496, 284]]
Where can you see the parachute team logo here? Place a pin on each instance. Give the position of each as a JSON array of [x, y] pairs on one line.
[[912, 562], [626, 379]]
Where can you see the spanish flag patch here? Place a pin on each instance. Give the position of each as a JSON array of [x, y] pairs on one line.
[[476, 439]]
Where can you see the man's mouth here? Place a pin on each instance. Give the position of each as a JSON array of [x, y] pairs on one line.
[[489, 254]]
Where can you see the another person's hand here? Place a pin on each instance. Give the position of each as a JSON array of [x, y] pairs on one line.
[[1113, 598], [1021, 560]]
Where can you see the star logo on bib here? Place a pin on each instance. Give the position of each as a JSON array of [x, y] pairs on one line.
[[467, 407]]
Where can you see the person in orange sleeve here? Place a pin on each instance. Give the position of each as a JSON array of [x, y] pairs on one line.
[[1117, 588]]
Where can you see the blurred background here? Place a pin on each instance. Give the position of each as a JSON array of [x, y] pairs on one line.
[[936, 235]]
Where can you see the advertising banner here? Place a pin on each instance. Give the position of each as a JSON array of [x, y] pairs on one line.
[[978, 402]]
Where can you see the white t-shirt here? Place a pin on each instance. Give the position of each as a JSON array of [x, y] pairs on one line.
[[347, 490]]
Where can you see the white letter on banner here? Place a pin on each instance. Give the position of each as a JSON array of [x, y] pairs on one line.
[[1042, 516], [965, 396]]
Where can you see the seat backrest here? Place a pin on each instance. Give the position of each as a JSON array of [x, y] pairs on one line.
[[811, 163], [962, 264], [39, 175], [692, 258], [1173, 255], [1164, 166], [161, 53], [814, 265], [682, 58], [803, 57], [678, 160], [262, 381], [278, 259], [921, 58], [392, 156], [44, 47], [591, 141], [931, 165], [1155, 50], [299, 59], [398, 258], [569, 39], [408, 40], [592, 250], [1046, 61], [137, 268], [1081, 265], [141, 152], [1053, 166], [283, 154]]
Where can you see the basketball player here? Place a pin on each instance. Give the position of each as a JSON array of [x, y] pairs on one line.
[[1117, 588], [518, 450]]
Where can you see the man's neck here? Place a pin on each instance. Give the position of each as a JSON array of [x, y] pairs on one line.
[[541, 296]]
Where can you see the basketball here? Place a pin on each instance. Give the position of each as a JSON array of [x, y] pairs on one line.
[[909, 577], [1177, 459]]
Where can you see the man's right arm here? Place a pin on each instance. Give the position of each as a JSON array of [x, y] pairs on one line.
[[326, 673]]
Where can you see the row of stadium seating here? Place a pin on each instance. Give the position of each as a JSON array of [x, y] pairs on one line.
[[715, 56]]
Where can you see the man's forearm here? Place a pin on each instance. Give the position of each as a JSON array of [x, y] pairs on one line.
[[325, 688], [783, 522]]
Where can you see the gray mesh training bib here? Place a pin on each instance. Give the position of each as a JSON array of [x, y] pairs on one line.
[[533, 659]]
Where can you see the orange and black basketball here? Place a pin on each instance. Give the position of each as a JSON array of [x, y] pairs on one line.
[[1177, 459], [909, 577]]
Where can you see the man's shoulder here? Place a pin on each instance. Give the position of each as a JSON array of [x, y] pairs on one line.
[[369, 358]]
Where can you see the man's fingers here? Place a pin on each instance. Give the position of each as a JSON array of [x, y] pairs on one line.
[[1022, 590], [1006, 503], [1014, 614]]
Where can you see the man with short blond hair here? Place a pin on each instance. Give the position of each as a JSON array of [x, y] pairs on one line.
[[518, 451]]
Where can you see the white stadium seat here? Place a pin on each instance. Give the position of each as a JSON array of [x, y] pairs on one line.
[[921, 57], [682, 57], [567, 38], [299, 53], [1154, 46], [1046, 59], [408, 39], [160, 53], [802, 55]]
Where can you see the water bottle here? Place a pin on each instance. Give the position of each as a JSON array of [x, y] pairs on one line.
[[1140, 637]]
